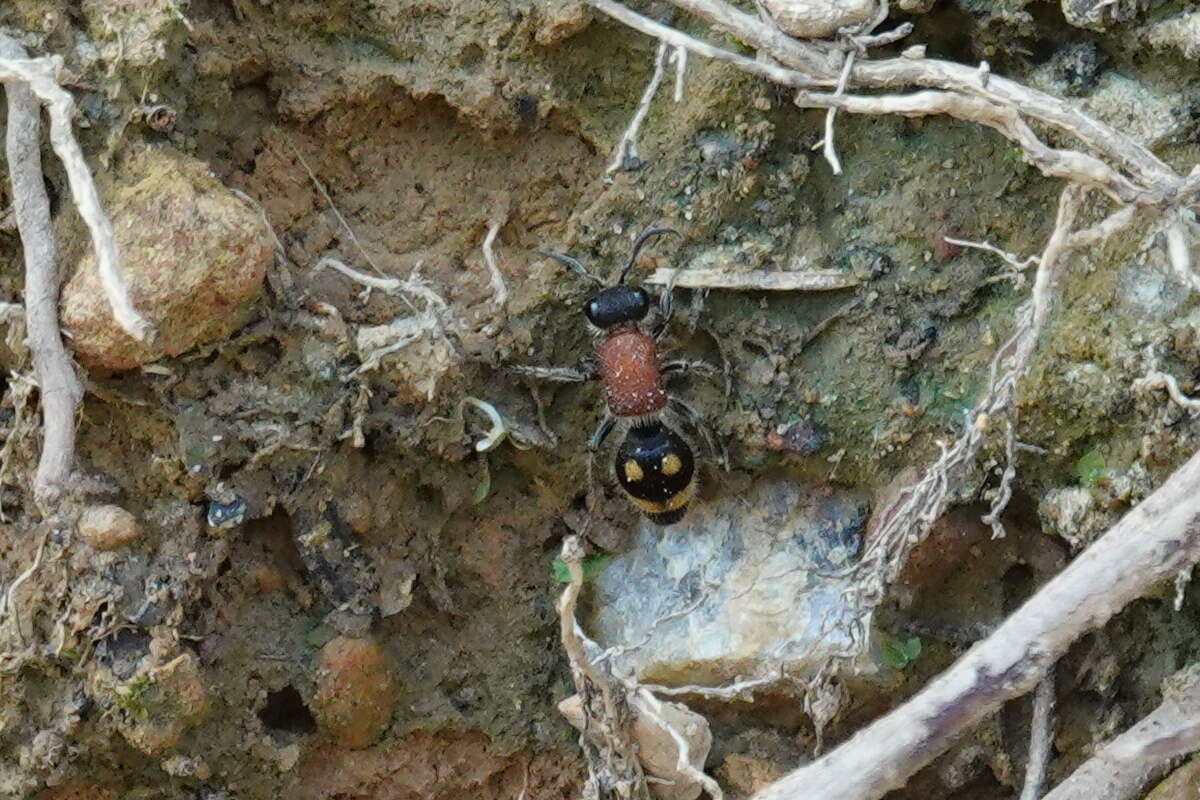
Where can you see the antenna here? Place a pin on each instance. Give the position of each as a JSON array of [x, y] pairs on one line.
[[639, 244], [573, 264]]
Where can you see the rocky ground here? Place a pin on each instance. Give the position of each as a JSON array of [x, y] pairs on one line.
[[294, 575]]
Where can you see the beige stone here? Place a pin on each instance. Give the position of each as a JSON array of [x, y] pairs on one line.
[[193, 256], [108, 527], [744, 774]]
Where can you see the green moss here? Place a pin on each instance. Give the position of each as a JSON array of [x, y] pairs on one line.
[[1090, 468], [132, 697]]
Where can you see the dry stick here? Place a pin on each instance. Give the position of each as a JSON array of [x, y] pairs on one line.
[[1041, 737], [59, 387], [40, 75], [817, 280], [1122, 768], [1150, 544]]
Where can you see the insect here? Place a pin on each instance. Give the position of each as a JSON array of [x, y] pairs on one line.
[[655, 463]]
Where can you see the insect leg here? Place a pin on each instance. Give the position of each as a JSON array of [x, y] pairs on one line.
[[684, 365], [666, 306], [602, 431], [697, 421], [585, 372]]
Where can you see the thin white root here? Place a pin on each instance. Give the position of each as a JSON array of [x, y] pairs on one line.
[[906, 520], [389, 285], [499, 290], [1010, 259], [414, 285], [679, 56], [828, 148], [1156, 379], [684, 762], [626, 157], [7, 608], [41, 76], [1004, 491], [499, 429], [333, 207], [820, 280], [1150, 544], [1161, 380], [606, 741], [1121, 769], [1041, 738], [496, 432], [733, 691]]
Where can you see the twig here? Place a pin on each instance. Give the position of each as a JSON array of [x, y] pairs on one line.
[[1122, 768], [40, 75], [817, 280], [1150, 544], [626, 157], [1041, 737], [59, 387]]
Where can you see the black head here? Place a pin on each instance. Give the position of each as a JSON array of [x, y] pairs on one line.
[[625, 302], [617, 305]]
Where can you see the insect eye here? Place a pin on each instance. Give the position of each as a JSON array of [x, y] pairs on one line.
[[643, 302], [591, 310]]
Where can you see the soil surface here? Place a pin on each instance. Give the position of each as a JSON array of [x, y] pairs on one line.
[[326, 591]]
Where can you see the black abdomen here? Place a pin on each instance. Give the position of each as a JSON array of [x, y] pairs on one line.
[[656, 467]]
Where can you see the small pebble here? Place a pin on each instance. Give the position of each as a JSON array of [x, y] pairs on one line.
[[355, 692], [108, 527]]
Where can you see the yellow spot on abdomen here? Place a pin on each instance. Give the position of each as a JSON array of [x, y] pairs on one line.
[[633, 471], [671, 464]]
